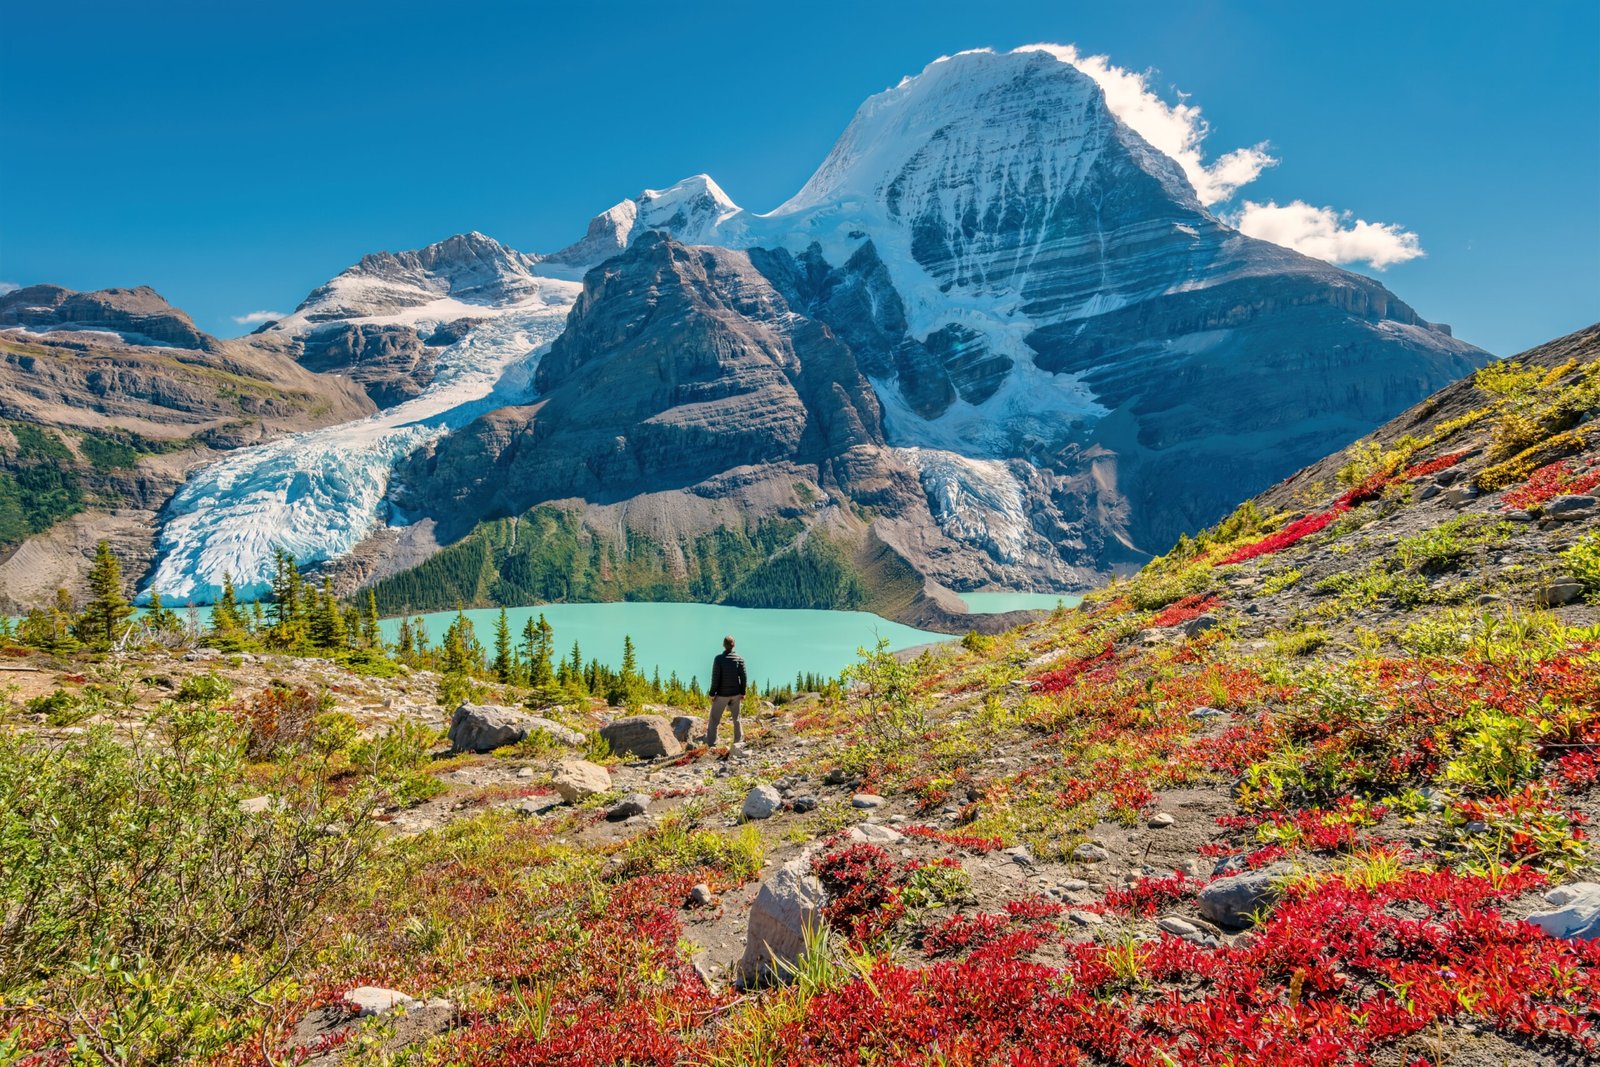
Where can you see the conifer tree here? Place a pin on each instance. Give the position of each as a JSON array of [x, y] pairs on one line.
[[502, 649], [327, 619], [108, 605], [369, 622]]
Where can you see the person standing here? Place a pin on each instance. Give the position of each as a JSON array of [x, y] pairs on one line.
[[727, 691]]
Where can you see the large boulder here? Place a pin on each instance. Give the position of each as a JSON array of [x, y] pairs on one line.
[[577, 780], [788, 904], [684, 727], [1576, 914], [1232, 902], [646, 736], [486, 727]]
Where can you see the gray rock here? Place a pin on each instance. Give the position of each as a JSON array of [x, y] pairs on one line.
[[1563, 590], [1563, 508], [872, 833], [259, 805], [486, 727], [1428, 492], [645, 736], [866, 801], [1576, 914], [1020, 855], [629, 806], [1086, 918], [1089, 852], [375, 1000], [1485, 599], [804, 803], [700, 896], [761, 802], [1459, 495], [1199, 625], [1161, 821], [1177, 927], [1206, 713], [1230, 902], [684, 727], [787, 906], [577, 779]]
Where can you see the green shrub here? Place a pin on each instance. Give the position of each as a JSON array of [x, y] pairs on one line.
[[1583, 563], [140, 896], [204, 689]]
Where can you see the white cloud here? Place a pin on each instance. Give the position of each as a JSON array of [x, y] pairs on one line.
[[1327, 234], [1176, 130], [257, 316], [8, 287]]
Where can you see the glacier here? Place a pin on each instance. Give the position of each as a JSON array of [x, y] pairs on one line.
[[317, 495]]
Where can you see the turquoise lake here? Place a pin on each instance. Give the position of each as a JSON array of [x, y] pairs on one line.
[[1000, 603], [776, 644]]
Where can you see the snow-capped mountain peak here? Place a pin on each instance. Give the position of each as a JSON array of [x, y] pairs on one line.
[[692, 210], [458, 276], [990, 116]]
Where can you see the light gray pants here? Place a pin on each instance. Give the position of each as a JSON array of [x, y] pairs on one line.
[[718, 704]]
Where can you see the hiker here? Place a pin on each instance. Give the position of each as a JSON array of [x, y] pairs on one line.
[[727, 691]]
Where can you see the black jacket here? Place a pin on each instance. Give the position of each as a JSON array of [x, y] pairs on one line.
[[727, 675]]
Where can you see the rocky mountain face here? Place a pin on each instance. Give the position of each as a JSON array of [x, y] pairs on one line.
[[997, 335]]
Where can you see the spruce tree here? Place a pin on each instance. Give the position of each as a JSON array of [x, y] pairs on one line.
[[327, 619], [108, 605], [502, 649], [369, 622]]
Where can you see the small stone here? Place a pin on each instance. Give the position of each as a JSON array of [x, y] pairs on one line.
[[1161, 821], [1089, 852], [1485, 599], [1199, 625], [1020, 855], [629, 806], [1085, 918], [1428, 492], [375, 1000], [804, 803], [837, 776], [1476, 826], [1178, 927], [1205, 713], [1461, 494], [257, 805], [1519, 515], [525, 772], [1074, 885], [700, 896], [867, 801], [684, 727], [761, 802], [872, 833]]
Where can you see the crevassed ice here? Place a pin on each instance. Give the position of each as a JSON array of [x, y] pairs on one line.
[[319, 494], [978, 501]]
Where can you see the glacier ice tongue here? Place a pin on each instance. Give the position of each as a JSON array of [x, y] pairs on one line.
[[318, 494]]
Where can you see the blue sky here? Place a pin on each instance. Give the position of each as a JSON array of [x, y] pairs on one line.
[[236, 155]]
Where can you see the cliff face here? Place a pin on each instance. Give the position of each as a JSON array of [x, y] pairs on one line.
[[677, 364]]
